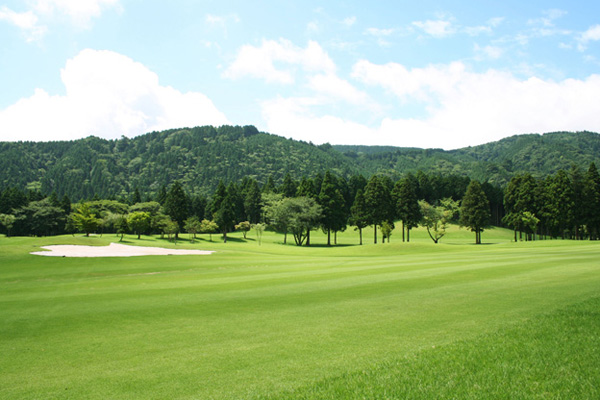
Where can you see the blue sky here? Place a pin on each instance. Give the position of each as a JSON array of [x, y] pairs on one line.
[[428, 74]]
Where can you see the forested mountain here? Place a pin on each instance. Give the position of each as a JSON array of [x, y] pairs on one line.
[[197, 157], [200, 157], [496, 162]]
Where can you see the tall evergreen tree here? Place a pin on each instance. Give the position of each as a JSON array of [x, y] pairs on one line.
[[253, 202], [561, 203], [237, 202], [332, 203], [475, 210], [406, 201], [289, 187], [269, 186], [217, 199], [306, 188], [198, 205], [176, 205], [161, 196], [136, 197], [359, 215], [520, 197], [225, 216], [591, 195], [65, 204], [378, 201], [577, 186]]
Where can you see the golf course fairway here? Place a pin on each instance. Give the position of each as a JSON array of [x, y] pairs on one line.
[[393, 320]]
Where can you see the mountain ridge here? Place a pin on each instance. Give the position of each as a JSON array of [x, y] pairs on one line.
[[201, 156]]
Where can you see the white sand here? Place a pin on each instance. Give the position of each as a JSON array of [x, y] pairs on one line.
[[113, 250]]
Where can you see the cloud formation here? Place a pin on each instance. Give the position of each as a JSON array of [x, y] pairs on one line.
[[107, 95], [34, 22], [275, 61], [462, 108], [437, 28]]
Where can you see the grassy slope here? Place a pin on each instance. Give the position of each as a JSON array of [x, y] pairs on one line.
[[265, 320]]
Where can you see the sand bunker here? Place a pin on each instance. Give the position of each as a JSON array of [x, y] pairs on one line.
[[113, 250]]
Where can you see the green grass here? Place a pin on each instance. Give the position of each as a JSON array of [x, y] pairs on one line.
[[375, 321]]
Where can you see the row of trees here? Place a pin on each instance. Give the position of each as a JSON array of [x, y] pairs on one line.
[[566, 205], [327, 201]]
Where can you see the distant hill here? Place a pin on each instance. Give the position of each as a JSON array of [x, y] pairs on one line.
[[496, 162], [199, 157]]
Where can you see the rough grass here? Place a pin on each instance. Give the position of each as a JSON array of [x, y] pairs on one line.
[[553, 356], [282, 321]]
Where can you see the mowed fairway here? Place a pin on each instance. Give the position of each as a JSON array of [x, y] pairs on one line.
[[272, 320]]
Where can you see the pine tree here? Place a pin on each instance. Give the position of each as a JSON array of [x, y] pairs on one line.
[[406, 201], [561, 202], [591, 195], [378, 201], [475, 210], [332, 203], [289, 187], [306, 188], [359, 213], [253, 202], [176, 205], [225, 216]]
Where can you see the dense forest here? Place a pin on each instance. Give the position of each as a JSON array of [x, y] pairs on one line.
[[200, 157], [566, 204], [496, 162], [223, 179]]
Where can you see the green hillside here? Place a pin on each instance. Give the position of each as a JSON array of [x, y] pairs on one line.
[[199, 157], [497, 162]]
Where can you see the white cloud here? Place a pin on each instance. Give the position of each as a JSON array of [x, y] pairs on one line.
[[463, 108], [107, 95], [313, 27], [489, 52], [379, 32], [487, 28], [349, 21], [335, 88], [293, 118], [221, 21], [26, 21], [417, 83], [591, 35], [548, 18], [436, 28], [260, 62], [80, 12], [34, 22]]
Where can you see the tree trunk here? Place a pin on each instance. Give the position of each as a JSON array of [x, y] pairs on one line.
[[328, 237], [407, 235], [375, 235], [308, 237], [360, 235], [403, 232]]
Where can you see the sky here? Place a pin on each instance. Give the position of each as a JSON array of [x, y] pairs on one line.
[[430, 74]]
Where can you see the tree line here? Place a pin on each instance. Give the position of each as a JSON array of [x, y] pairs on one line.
[[562, 205], [199, 157], [566, 205]]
